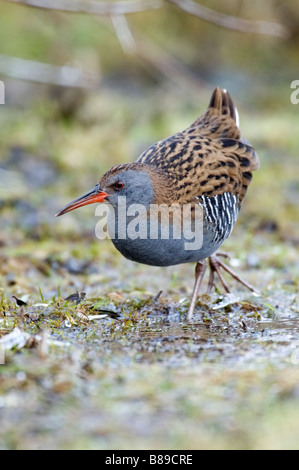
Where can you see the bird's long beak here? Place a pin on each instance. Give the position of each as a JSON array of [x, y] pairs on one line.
[[93, 196]]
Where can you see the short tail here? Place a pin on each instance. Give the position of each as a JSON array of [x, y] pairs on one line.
[[221, 119], [222, 101]]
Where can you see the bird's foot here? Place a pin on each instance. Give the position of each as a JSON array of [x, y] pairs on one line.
[[216, 265]]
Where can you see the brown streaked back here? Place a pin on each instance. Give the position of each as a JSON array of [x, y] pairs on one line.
[[209, 157]]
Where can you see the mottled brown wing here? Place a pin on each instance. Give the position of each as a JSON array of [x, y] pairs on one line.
[[228, 168], [209, 157], [203, 166]]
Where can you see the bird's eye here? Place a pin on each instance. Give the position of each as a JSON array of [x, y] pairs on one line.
[[118, 185]]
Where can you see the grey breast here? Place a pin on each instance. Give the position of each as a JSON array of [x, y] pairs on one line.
[[140, 239]]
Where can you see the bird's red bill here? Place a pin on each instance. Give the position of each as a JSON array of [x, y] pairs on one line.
[[92, 197]]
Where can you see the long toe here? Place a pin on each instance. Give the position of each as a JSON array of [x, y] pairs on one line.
[[216, 265]]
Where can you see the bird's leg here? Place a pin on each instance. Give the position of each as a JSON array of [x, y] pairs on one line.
[[212, 273], [216, 265], [211, 280], [200, 270]]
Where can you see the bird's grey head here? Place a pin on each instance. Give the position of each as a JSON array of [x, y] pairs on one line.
[[133, 183], [138, 183]]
